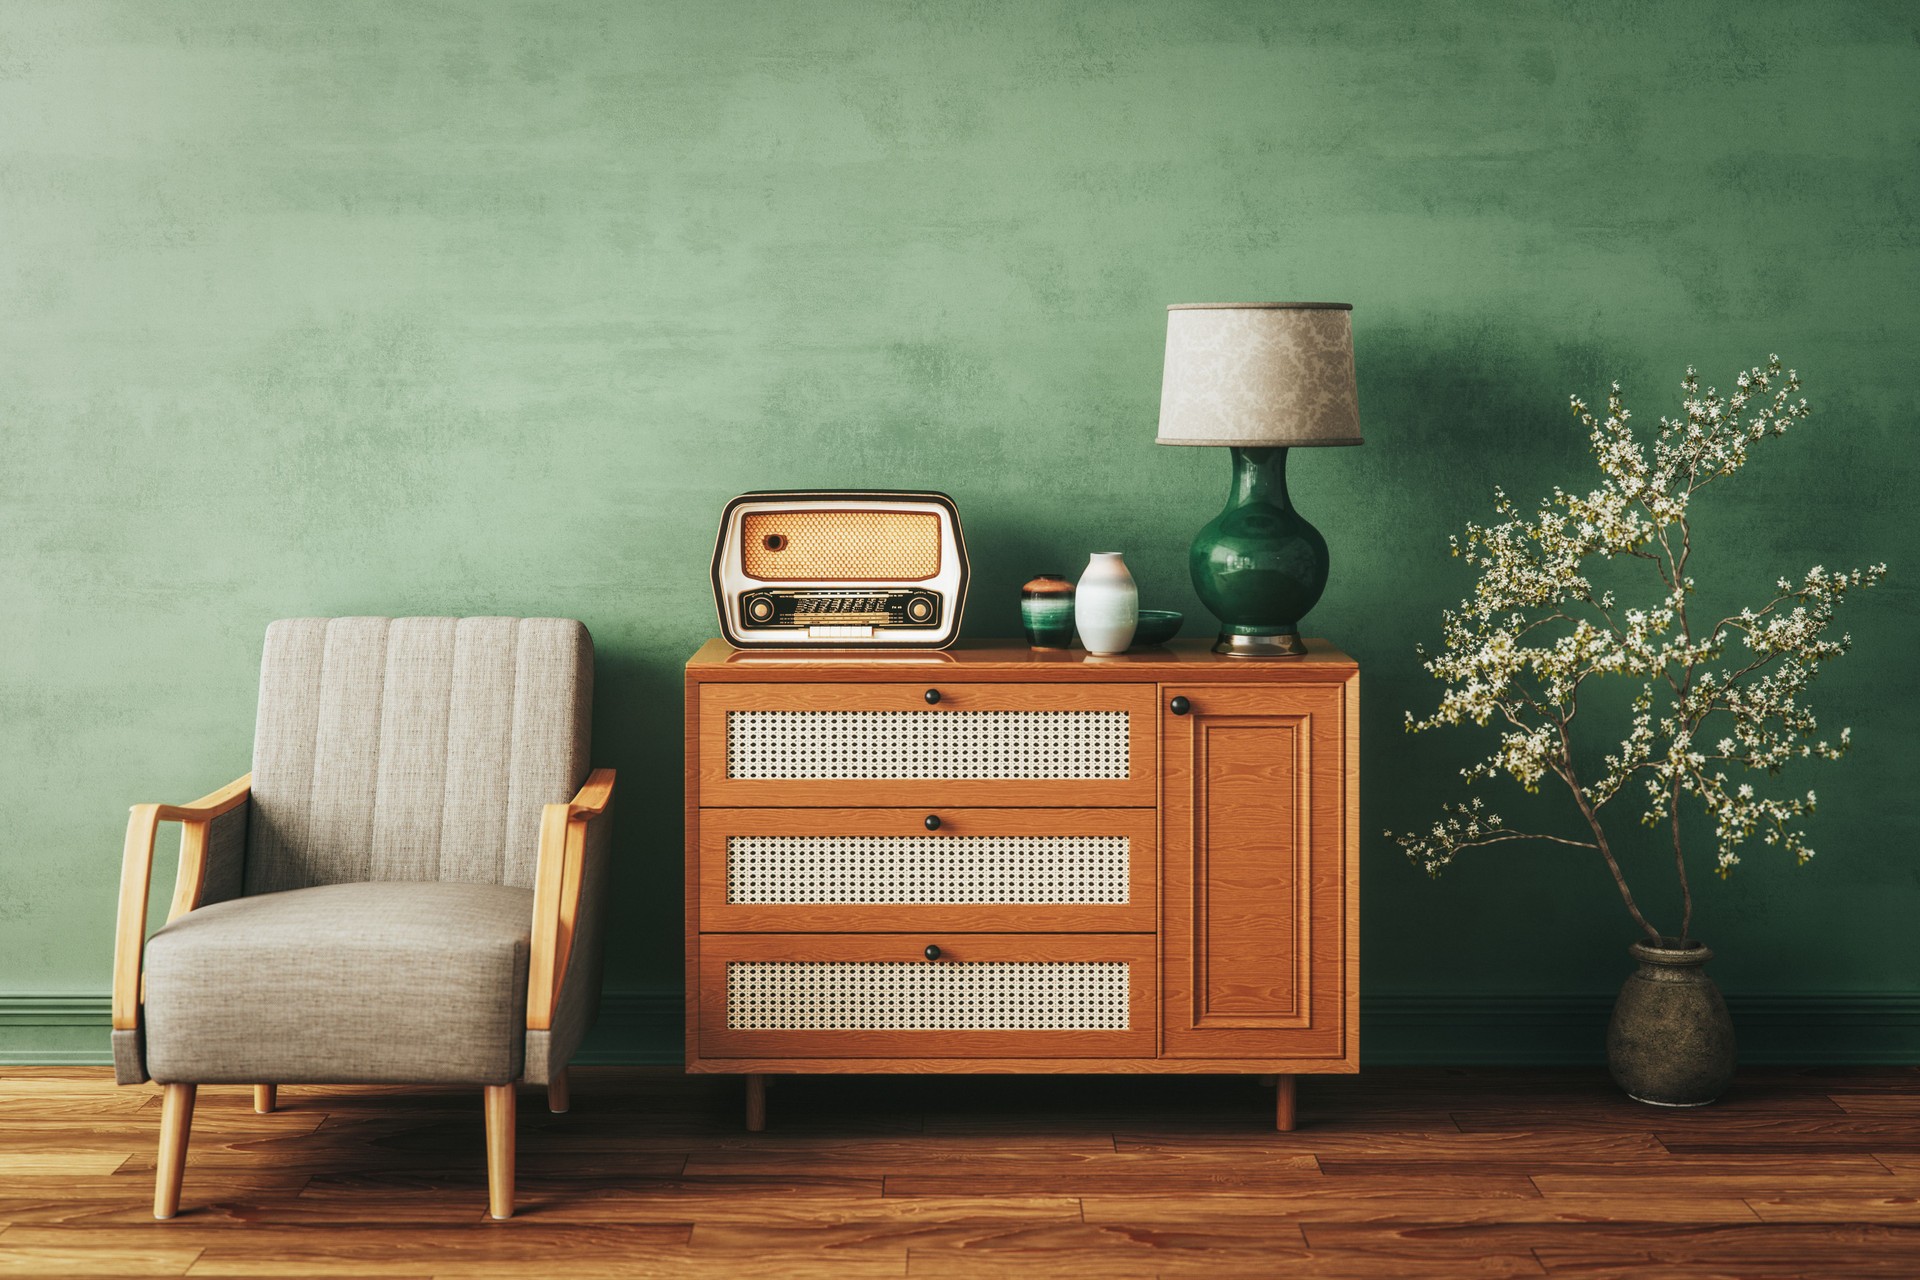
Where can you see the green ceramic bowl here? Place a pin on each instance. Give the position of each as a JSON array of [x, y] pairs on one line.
[[1156, 626]]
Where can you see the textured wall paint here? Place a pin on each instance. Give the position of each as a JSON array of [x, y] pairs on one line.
[[427, 308]]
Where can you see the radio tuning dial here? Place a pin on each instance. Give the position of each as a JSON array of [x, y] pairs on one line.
[[919, 610], [760, 610]]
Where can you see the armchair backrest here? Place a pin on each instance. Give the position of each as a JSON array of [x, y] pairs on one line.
[[414, 748]]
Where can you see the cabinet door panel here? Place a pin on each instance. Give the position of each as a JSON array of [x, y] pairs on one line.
[[1259, 872]]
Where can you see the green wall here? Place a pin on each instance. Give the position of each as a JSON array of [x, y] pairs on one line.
[[487, 308]]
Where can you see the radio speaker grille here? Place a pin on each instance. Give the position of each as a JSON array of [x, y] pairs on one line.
[[927, 869], [842, 546], [887, 995], [922, 745]]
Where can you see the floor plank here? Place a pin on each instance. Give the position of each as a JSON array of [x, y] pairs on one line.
[[1861, 1204], [1403, 1174], [1393, 1200], [27, 1251], [55, 1162]]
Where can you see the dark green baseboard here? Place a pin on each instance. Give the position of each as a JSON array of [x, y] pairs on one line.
[[645, 1028]]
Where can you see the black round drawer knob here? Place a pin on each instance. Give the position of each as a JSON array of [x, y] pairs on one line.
[[1179, 706], [933, 822], [933, 952], [933, 696]]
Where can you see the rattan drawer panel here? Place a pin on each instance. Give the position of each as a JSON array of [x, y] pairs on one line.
[[877, 995], [886, 744], [978, 870]]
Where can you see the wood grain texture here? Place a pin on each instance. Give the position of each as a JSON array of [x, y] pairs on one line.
[[558, 875], [719, 1042], [1274, 955], [963, 1176], [136, 880], [1011, 660], [908, 696], [502, 1110], [130, 928], [176, 1126], [1137, 915], [756, 1102], [1258, 874]]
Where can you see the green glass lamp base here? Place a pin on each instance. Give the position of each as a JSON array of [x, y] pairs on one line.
[[1258, 565]]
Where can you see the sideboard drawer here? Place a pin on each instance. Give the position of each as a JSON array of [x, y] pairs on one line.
[[878, 996], [969, 870], [927, 743]]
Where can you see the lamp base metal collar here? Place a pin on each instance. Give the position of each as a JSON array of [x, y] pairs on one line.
[[1287, 644]]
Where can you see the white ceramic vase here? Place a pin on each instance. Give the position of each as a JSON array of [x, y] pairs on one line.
[[1106, 604]]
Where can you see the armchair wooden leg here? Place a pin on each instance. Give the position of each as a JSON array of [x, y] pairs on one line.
[[558, 1099], [263, 1097], [1283, 1104], [500, 1122], [756, 1102], [176, 1122]]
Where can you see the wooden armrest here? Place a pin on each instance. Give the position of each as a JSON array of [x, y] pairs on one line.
[[556, 893], [136, 877], [212, 805], [595, 795]]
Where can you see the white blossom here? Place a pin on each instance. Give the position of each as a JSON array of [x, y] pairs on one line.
[[1718, 705]]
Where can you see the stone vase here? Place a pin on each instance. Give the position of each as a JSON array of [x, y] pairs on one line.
[[1670, 1042], [1106, 604]]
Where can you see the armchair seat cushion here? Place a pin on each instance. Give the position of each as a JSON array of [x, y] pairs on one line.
[[391, 982]]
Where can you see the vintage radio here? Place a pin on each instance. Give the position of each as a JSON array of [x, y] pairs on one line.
[[858, 568]]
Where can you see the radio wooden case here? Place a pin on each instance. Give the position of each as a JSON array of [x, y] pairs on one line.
[[853, 568]]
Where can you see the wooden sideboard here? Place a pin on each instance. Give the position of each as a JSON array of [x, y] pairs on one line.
[[993, 859]]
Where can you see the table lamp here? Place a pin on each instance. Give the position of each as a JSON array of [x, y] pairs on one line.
[[1259, 378]]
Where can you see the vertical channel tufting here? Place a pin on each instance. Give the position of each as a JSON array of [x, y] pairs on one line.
[[346, 754], [479, 742], [446, 769], [513, 746], [411, 778], [286, 728], [414, 748], [553, 698]]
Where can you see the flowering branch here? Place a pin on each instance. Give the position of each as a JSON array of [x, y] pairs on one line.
[[1518, 652]]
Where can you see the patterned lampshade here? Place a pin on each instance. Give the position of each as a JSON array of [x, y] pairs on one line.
[[1259, 375]]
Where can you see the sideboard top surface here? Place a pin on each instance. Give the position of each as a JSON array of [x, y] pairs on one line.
[[1180, 660]]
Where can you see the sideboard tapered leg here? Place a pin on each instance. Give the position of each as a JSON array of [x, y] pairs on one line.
[[1283, 1104], [756, 1102]]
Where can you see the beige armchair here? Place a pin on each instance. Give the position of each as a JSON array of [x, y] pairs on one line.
[[405, 890]]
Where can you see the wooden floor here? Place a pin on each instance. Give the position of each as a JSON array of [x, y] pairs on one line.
[[1406, 1174]]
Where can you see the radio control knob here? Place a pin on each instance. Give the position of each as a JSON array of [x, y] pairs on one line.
[[920, 609], [760, 610]]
